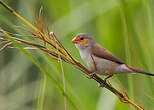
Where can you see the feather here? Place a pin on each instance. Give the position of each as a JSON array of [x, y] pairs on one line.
[[139, 71], [101, 52]]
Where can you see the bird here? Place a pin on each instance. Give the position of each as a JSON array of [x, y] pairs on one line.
[[100, 60]]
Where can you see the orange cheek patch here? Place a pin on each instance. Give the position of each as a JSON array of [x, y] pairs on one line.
[[84, 42]]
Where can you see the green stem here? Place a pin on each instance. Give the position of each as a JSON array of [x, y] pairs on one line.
[[41, 95], [127, 48]]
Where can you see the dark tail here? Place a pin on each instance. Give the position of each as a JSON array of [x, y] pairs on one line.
[[140, 71]]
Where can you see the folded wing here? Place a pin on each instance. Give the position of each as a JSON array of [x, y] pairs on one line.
[[101, 52]]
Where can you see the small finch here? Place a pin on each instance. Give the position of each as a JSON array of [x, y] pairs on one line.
[[100, 60]]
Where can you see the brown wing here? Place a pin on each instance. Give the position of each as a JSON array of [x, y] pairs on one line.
[[99, 51]]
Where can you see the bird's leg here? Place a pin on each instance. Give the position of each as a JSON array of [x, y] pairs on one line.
[[107, 77]]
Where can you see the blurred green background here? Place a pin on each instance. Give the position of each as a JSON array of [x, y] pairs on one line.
[[125, 27]]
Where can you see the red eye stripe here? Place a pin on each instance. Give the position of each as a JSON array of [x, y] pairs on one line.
[[80, 39]]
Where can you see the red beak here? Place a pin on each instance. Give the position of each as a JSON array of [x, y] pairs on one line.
[[75, 40]]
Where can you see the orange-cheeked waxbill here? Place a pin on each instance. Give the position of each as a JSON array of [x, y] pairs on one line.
[[100, 60]]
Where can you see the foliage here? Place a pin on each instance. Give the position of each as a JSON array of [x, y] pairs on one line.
[[115, 24]]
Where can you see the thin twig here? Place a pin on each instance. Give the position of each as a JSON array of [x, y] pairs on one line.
[[123, 88], [62, 69], [64, 84], [18, 35], [7, 44]]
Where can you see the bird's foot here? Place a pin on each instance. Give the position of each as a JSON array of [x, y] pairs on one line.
[[101, 84], [105, 79], [91, 75]]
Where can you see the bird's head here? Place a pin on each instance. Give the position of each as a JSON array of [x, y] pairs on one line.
[[83, 40]]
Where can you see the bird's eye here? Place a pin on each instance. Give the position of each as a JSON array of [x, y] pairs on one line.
[[81, 38]]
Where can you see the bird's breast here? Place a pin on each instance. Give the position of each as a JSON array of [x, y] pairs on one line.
[[85, 55]]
